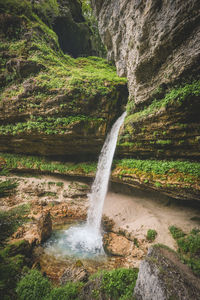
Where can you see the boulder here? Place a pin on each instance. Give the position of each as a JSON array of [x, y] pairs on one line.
[[44, 227], [115, 244], [162, 276], [74, 273]]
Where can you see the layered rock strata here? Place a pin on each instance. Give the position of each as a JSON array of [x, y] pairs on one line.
[[50, 103]]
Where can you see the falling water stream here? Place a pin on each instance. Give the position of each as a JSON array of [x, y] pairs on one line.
[[86, 240]]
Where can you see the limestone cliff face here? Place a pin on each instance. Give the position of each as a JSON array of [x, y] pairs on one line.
[[50, 103], [156, 45]]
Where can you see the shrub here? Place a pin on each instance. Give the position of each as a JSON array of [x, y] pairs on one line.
[[33, 286], [119, 283], [151, 235], [69, 292]]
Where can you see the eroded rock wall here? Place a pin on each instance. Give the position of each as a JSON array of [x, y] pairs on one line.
[[50, 103], [156, 45], [152, 42]]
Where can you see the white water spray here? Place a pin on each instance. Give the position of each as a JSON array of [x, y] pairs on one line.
[[86, 240], [100, 185]]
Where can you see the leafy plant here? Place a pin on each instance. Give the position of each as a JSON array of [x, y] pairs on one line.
[[119, 283], [151, 235], [188, 247], [176, 232], [33, 286], [68, 292]]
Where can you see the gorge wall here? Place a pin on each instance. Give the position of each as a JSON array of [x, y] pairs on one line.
[[156, 45], [55, 105], [51, 103]]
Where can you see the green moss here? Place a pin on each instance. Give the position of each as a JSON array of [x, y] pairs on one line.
[[158, 184], [16, 7], [82, 77], [163, 142], [10, 269], [175, 96]]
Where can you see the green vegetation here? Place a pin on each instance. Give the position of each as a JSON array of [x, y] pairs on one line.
[[10, 220], [49, 125], [116, 284], [60, 183], [151, 235], [12, 261], [188, 247], [47, 9], [68, 292], [176, 233], [160, 166], [81, 79], [7, 187], [163, 142], [33, 286], [42, 164], [92, 23], [175, 96]]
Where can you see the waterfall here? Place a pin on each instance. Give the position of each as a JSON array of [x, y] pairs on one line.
[[100, 185], [88, 238]]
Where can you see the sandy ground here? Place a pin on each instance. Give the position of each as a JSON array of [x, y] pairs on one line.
[[137, 214]]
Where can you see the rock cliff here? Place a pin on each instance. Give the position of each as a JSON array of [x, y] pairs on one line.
[[50, 103], [156, 45]]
